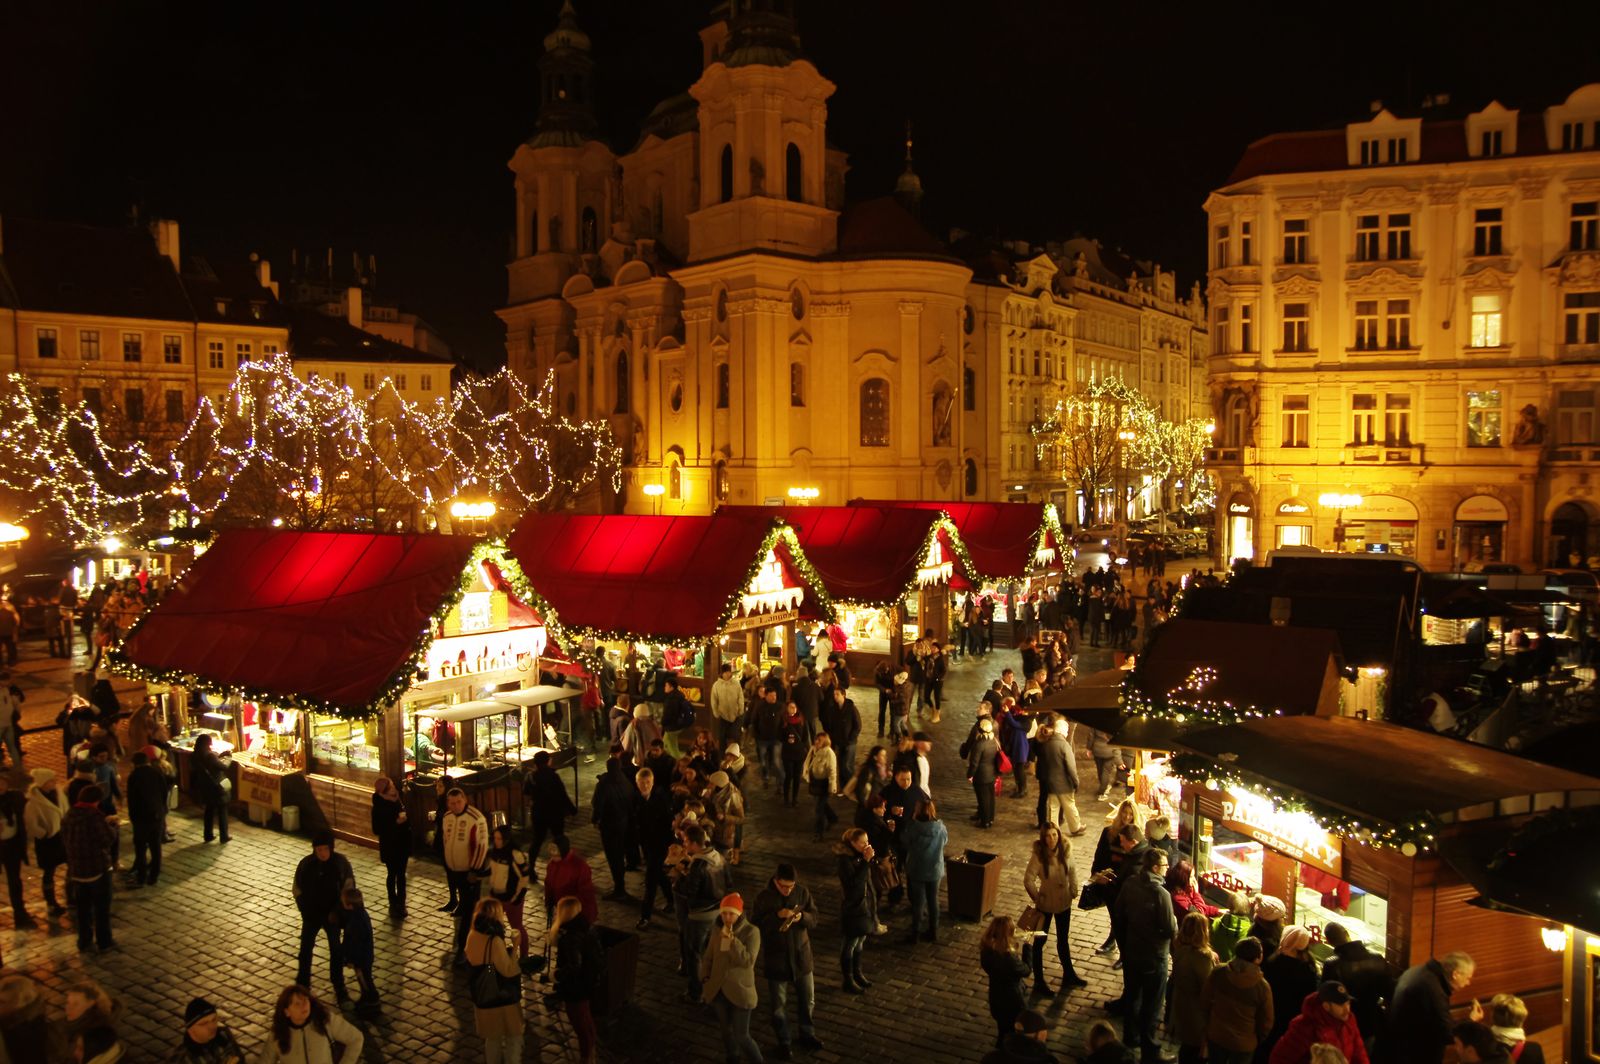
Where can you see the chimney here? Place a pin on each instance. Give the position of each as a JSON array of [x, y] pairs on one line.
[[352, 305], [165, 230], [264, 277], [712, 39]]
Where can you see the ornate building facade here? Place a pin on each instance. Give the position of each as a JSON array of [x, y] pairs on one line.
[[1406, 337]]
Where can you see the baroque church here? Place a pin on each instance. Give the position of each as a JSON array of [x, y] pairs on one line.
[[709, 294]]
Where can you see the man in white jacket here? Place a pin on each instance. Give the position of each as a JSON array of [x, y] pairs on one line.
[[727, 706], [465, 834]]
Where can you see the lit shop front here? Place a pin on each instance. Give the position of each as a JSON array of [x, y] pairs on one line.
[[1240, 527], [1294, 526], [1479, 533], [320, 661], [1380, 524]]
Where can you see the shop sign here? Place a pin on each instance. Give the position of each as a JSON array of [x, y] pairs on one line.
[[769, 590], [1382, 508], [1295, 835], [258, 787], [1481, 508], [469, 655], [1240, 506], [1293, 508]]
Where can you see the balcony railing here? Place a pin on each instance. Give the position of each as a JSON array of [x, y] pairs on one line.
[[1382, 453]]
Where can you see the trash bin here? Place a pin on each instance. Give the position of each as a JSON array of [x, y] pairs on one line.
[[973, 883], [291, 818], [622, 966]]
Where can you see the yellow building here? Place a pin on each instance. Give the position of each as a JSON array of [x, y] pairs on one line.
[[1406, 336]]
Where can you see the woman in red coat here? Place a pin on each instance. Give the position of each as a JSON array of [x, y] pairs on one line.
[[568, 876], [1185, 892]]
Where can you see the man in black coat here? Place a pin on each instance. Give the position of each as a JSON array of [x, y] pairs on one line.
[[549, 803], [786, 914], [1146, 925], [842, 721], [1364, 973], [147, 811], [613, 794], [650, 815], [808, 696], [1419, 1022], [319, 884], [1058, 778]]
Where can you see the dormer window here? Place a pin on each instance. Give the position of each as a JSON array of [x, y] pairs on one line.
[[222, 306], [1492, 132], [1383, 141], [1575, 124], [1491, 143]]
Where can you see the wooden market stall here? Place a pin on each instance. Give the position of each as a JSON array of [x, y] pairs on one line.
[[670, 595], [888, 570], [324, 659]]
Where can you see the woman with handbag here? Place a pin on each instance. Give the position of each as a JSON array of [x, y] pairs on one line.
[[496, 983], [983, 769], [858, 905], [1052, 884], [1002, 960], [508, 882], [393, 832], [209, 783], [822, 777]]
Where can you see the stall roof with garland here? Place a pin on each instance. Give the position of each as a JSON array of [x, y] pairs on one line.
[[868, 555], [999, 538], [655, 579], [1219, 671], [325, 620]]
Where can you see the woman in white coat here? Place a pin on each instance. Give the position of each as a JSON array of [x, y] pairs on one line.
[[1052, 885], [304, 1031]]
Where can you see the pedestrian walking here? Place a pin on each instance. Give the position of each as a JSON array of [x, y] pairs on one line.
[[304, 1031], [1000, 955], [1142, 915], [320, 881], [1192, 964], [359, 950], [728, 980], [1013, 730], [983, 770], [795, 745], [14, 850], [869, 777], [1058, 776], [1052, 885], [934, 671], [549, 804], [148, 787], [900, 696], [650, 816], [205, 1039], [727, 706], [1324, 1019], [785, 913], [608, 811], [580, 970], [90, 836], [842, 721], [639, 734], [769, 718], [44, 813], [10, 718], [209, 784], [464, 835], [507, 882], [858, 907], [1238, 1006], [1418, 1028], [883, 682], [821, 773], [924, 837], [725, 806], [392, 828]]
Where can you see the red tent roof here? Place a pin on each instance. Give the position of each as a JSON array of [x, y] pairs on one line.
[[1000, 537], [322, 619], [864, 554], [667, 579]]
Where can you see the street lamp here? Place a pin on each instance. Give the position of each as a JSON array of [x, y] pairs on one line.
[[1125, 489], [474, 515], [1338, 502], [11, 535], [655, 491], [805, 495]]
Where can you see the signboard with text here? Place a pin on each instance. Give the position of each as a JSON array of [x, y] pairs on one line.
[[259, 787], [1292, 834], [453, 657]]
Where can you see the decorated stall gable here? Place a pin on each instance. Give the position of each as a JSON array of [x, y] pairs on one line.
[[996, 541]]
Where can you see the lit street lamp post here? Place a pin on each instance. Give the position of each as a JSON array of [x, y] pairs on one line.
[[655, 491]]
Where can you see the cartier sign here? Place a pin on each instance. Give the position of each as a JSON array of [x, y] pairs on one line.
[[1292, 834]]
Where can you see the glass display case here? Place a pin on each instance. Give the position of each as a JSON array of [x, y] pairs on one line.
[[345, 748]]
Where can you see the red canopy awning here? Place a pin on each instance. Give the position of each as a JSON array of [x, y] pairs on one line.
[[329, 620], [654, 579], [1000, 537], [864, 554]]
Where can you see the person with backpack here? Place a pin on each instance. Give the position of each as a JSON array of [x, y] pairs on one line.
[[677, 716], [580, 967]]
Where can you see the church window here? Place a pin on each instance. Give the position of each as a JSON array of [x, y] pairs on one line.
[[591, 231], [797, 384], [875, 412], [725, 173], [793, 174], [675, 480]]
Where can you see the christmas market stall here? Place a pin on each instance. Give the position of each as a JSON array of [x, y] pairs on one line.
[[669, 596], [887, 569], [320, 660], [1013, 551]]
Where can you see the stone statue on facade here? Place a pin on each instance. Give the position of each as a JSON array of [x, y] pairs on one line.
[[1530, 430]]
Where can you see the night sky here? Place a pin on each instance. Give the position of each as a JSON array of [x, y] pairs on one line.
[[386, 127]]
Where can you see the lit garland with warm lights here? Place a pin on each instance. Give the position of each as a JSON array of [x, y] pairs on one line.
[[1414, 836], [1183, 704]]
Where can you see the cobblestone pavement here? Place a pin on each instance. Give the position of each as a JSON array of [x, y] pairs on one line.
[[221, 924]]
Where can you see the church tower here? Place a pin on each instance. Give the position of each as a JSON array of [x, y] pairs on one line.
[[763, 139]]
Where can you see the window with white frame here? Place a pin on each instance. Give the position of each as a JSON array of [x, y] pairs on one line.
[[1363, 418], [89, 345], [1575, 416], [1221, 247], [1244, 243], [241, 352], [339, 378], [216, 354], [1483, 418], [1487, 319], [1368, 237], [1297, 326], [1247, 335], [400, 382], [174, 400], [1583, 317], [1396, 420], [1397, 233], [1296, 240], [132, 347], [425, 383], [1572, 136], [171, 349], [1297, 421], [1397, 324], [1491, 143], [1486, 231], [45, 342], [1366, 315], [1584, 226], [369, 381], [1219, 339]]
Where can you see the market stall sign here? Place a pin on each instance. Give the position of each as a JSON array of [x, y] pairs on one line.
[[769, 590], [469, 655], [935, 568], [259, 787], [1293, 834]]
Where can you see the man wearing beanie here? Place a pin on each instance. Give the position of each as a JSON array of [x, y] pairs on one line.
[[728, 978], [205, 1040], [319, 884]]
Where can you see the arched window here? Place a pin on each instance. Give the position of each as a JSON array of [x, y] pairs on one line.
[[675, 479], [797, 384], [622, 383], [969, 478], [725, 173], [1236, 426], [591, 231], [794, 172], [875, 412], [969, 388]]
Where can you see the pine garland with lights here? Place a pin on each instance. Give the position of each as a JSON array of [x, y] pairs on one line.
[[1183, 705]]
